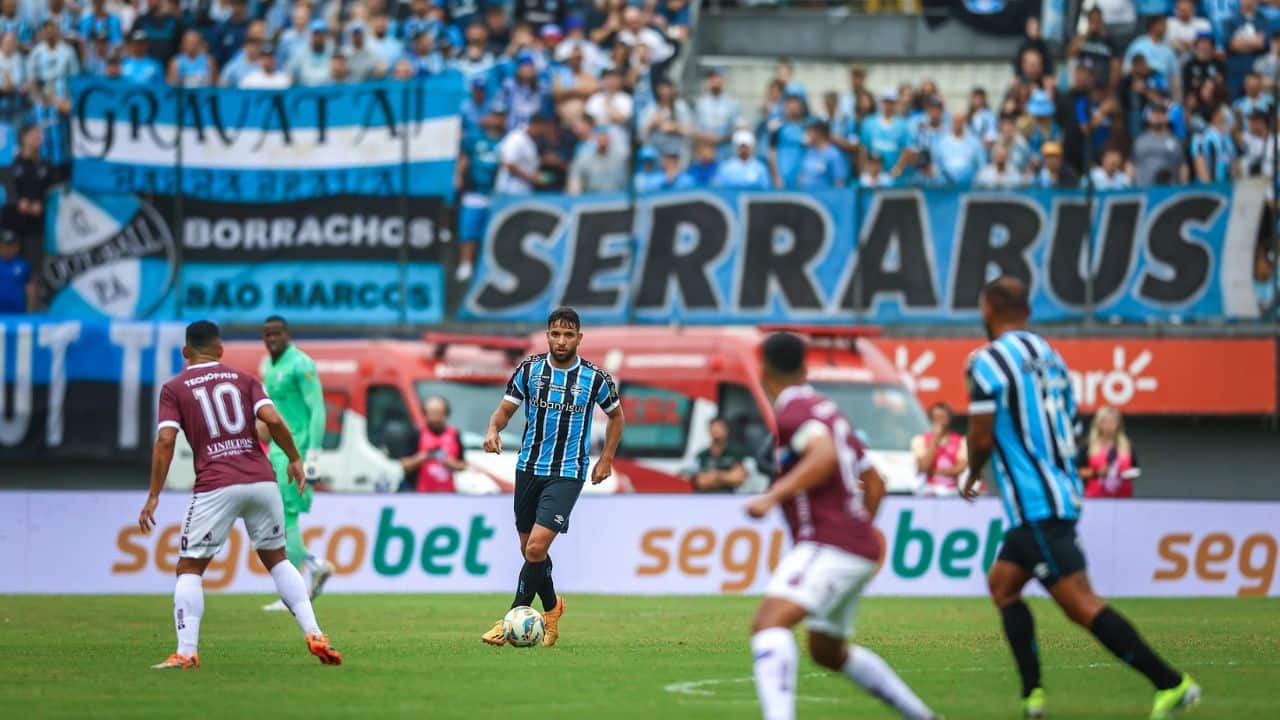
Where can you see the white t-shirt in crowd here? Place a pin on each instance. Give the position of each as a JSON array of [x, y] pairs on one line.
[[258, 80], [601, 106], [517, 149]]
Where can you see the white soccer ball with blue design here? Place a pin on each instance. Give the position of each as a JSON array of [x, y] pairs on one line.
[[523, 626]]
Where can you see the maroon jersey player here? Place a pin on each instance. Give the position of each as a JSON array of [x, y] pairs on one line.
[[829, 493], [216, 407]]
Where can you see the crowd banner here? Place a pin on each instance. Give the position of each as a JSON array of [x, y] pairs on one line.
[[82, 390], [885, 256], [382, 138], [1138, 376], [89, 542], [327, 260]]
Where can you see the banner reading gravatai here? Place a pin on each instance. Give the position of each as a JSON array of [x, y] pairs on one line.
[[379, 138]]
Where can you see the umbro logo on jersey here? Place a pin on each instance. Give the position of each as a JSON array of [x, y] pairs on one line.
[[559, 519]]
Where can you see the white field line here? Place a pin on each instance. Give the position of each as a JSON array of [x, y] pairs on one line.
[[704, 689]]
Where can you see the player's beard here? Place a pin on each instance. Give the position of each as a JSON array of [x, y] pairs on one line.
[[564, 356]]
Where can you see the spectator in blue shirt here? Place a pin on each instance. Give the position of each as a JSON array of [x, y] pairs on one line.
[[649, 176], [11, 22], [138, 66], [1213, 151], [1160, 57], [418, 22], [383, 42], [786, 142], [475, 60], [477, 174], [525, 95], [705, 163], [248, 59], [1245, 36], [932, 124], [958, 155], [716, 113], [743, 171], [982, 121], [17, 284], [674, 176], [100, 20], [229, 36], [475, 106], [95, 55], [426, 59], [886, 134], [822, 165], [1254, 98]]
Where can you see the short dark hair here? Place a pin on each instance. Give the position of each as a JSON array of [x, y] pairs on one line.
[[719, 419], [276, 318], [202, 334], [564, 316], [1008, 295], [940, 405], [784, 353]]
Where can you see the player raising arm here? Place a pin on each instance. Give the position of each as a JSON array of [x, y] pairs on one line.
[[215, 407], [829, 493], [1022, 409]]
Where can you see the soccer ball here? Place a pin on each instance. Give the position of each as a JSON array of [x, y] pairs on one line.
[[523, 626]]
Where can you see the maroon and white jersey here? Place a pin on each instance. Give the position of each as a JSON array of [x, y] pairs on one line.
[[831, 513], [215, 407]]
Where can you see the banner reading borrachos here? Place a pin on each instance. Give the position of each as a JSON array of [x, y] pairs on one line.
[[380, 138], [324, 260], [919, 255]]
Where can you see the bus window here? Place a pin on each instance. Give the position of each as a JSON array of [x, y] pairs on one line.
[[657, 421], [335, 406], [390, 425]]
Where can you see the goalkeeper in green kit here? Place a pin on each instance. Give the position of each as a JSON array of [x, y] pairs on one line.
[[290, 378]]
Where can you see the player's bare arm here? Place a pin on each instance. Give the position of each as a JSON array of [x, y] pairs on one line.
[[161, 457], [612, 436], [497, 423], [872, 491], [284, 440], [978, 443], [816, 464]]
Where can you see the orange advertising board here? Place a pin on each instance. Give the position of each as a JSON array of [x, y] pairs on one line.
[[1145, 376]]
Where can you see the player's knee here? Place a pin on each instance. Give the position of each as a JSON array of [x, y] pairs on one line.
[[831, 658], [535, 551], [273, 557]]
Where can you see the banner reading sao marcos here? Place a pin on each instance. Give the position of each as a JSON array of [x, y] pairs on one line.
[[1144, 376]]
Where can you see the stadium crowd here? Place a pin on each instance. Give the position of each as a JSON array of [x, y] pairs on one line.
[[582, 96]]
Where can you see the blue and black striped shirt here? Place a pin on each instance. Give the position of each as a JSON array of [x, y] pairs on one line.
[[558, 410], [1026, 385]]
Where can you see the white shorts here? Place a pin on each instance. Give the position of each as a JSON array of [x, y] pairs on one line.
[[212, 513], [824, 580]]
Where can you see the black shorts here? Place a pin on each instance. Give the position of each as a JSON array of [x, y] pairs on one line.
[[546, 501], [1048, 549]]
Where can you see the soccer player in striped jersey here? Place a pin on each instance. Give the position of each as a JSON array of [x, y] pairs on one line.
[[1022, 417], [557, 389]]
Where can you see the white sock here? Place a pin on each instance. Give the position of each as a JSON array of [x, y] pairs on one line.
[[295, 596], [874, 675], [774, 650], [188, 607]]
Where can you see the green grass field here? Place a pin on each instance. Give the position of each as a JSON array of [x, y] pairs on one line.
[[645, 658]]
